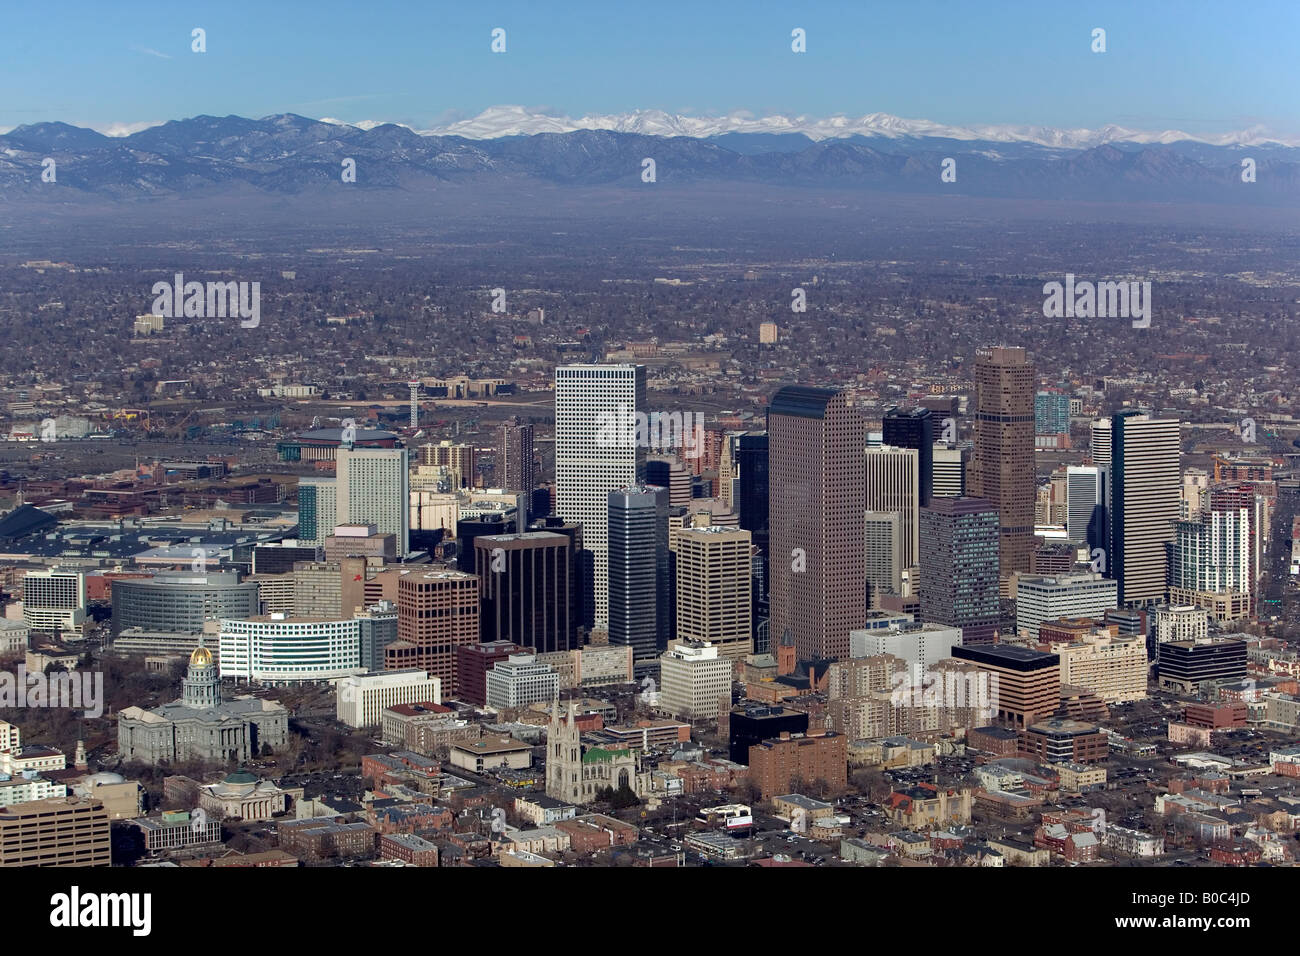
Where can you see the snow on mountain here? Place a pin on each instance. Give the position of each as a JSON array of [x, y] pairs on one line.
[[499, 121]]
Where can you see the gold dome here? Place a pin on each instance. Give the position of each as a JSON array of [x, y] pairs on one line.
[[202, 657]]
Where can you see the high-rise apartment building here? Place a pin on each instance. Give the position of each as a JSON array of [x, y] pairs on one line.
[[373, 487], [1003, 469], [959, 566], [893, 484], [714, 579], [1114, 668], [1212, 552], [1146, 486], [638, 585], [815, 442], [588, 464], [913, 429], [1051, 412]]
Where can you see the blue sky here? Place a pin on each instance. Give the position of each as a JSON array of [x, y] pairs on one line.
[[1198, 66]]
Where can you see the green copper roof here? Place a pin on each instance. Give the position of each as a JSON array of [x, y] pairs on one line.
[[600, 753]]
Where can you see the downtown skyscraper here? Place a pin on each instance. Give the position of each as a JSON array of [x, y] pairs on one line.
[[1003, 469], [639, 588], [1146, 484], [589, 464], [913, 429], [817, 488], [959, 566]]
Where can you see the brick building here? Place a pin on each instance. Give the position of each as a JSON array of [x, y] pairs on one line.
[[776, 765]]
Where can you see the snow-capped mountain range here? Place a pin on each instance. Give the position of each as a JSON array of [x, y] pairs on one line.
[[499, 121]]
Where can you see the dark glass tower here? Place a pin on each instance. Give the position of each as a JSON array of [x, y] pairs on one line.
[[639, 585], [914, 429]]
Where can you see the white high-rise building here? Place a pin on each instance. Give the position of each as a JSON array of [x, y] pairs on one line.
[[54, 600], [893, 484], [373, 487], [593, 403]]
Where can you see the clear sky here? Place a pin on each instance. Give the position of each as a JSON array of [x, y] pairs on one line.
[[1203, 67]]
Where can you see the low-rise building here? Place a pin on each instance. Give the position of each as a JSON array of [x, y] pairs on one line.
[[489, 753]]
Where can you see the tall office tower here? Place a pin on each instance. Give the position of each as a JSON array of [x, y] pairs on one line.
[[317, 512], [1086, 504], [524, 588], [638, 586], [883, 553], [949, 470], [516, 468], [752, 467], [588, 465], [714, 589], [1146, 482], [959, 566], [373, 487], [1004, 451], [667, 472], [437, 611], [892, 483], [913, 429], [458, 457], [817, 567], [752, 507], [580, 573]]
